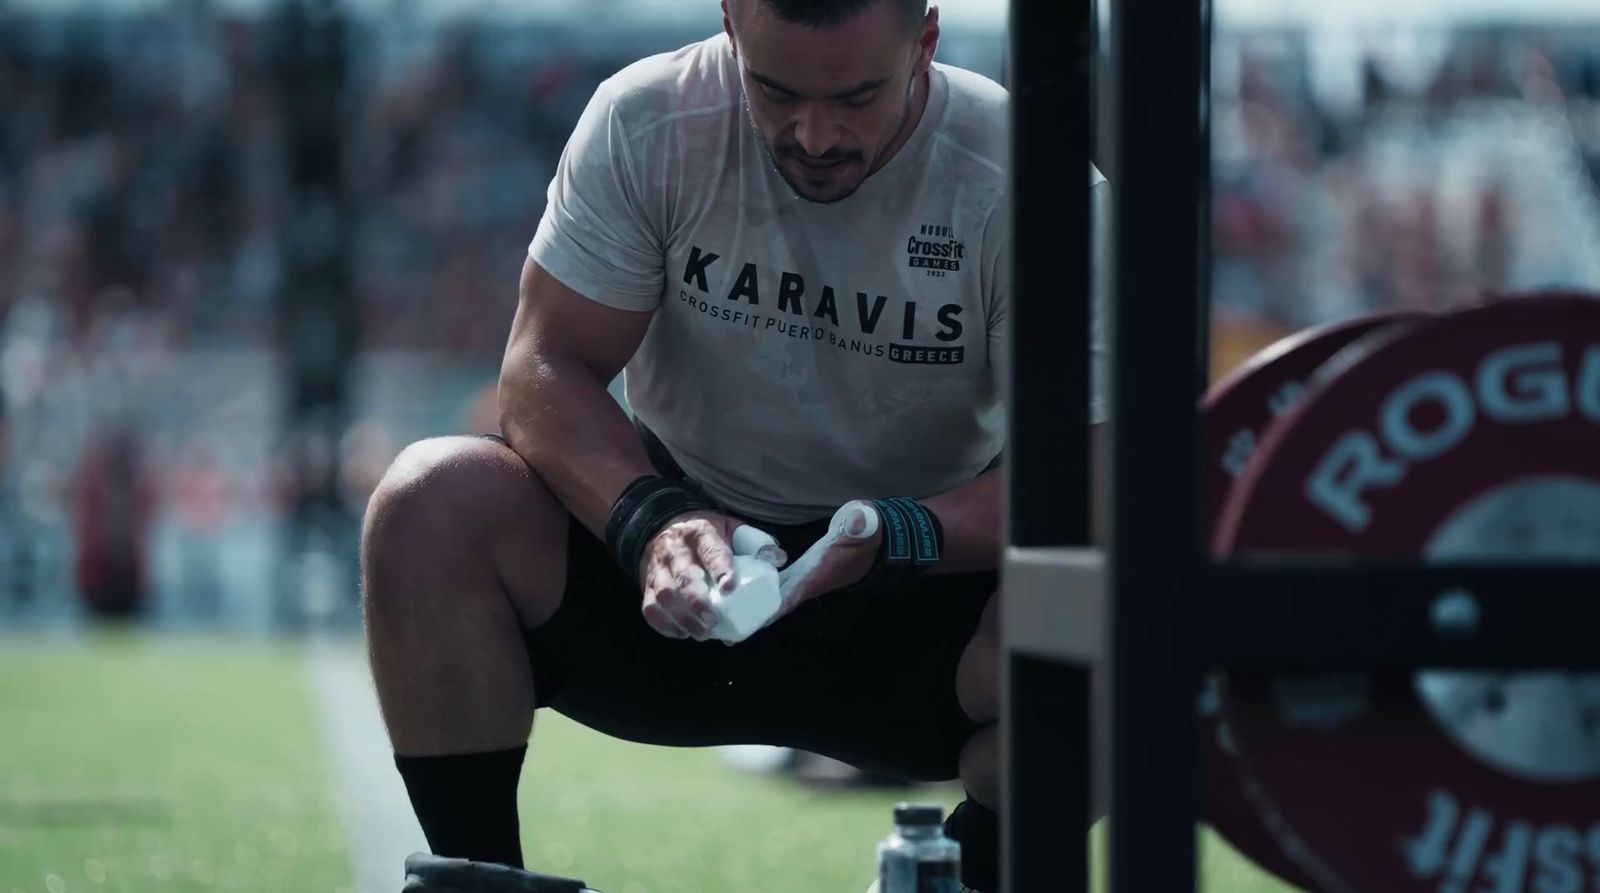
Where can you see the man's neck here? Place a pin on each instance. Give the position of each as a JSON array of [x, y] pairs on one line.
[[919, 104]]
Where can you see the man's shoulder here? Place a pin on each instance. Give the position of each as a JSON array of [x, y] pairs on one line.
[[977, 118], [985, 94], [696, 80]]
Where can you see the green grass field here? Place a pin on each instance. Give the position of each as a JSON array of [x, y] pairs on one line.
[[131, 765], [128, 767]]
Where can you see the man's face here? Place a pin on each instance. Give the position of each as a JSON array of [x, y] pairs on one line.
[[829, 101]]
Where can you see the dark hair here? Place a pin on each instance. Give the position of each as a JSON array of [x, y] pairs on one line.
[[822, 13]]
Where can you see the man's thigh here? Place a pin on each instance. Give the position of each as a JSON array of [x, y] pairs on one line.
[[867, 678]]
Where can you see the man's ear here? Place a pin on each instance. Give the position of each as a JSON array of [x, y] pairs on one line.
[[927, 40], [727, 27]]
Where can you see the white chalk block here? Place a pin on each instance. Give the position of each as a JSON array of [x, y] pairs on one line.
[[751, 604]]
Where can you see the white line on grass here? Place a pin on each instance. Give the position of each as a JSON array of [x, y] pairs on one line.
[[373, 805]]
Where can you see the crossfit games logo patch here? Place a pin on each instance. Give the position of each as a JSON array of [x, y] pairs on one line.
[[936, 250]]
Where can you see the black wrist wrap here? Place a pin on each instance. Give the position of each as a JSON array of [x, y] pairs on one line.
[[913, 541], [643, 509]]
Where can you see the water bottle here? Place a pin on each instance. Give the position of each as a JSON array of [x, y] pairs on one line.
[[917, 857]]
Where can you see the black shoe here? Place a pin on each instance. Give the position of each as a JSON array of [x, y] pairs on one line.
[[435, 874]]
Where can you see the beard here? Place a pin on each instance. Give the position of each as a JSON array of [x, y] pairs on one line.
[[873, 161]]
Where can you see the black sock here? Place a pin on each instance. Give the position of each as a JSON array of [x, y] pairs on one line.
[[977, 828], [467, 803]]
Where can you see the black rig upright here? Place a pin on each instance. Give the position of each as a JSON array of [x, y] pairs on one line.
[[1047, 685]]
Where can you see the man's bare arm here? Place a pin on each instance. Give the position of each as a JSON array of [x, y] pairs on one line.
[[970, 514], [563, 351]]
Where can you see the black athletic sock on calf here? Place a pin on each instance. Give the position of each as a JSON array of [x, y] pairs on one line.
[[467, 803], [977, 828]]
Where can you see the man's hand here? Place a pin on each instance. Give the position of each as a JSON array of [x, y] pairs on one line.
[[676, 566], [842, 557]]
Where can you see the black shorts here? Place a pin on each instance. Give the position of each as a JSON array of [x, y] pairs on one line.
[[868, 678]]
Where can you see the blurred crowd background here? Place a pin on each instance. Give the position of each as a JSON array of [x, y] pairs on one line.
[[248, 252], [1384, 166]]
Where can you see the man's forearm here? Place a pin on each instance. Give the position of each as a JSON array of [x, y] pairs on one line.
[[970, 515], [561, 420]]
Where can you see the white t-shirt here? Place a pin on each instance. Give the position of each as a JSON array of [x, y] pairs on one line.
[[801, 355]]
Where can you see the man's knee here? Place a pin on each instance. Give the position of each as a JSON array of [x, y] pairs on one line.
[[450, 505], [980, 766], [433, 491], [978, 674]]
